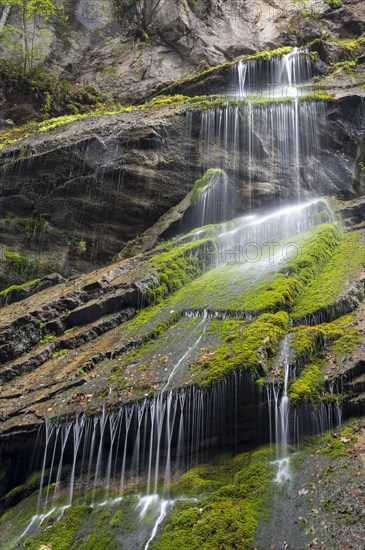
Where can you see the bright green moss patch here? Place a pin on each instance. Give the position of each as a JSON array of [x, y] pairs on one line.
[[269, 54], [256, 286], [276, 295], [204, 479], [211, 177], [60, 353], [177, 267], [228, 517], [16, 288], [318, 95], [306, 342], [315, 248], [340, 336], [229, 287], [308, 387], [334, 3], [349, 340], [46, 339], [242, 347], [338, 270]]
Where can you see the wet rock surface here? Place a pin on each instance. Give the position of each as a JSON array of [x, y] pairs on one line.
[[323, 505], [105, 180]]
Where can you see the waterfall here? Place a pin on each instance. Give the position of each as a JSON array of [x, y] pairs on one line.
[[203, 326], [142, 446], [270, 148], [268, 144], [275, 77], [249, 150]]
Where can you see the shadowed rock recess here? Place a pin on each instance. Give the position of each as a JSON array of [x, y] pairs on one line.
[[182, 286]]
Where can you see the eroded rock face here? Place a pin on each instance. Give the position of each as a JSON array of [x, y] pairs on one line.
[[186, 35], [94, 186], [182, 38]]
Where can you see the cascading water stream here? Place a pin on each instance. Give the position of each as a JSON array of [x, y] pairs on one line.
[[276, 77], [151, 441], [270, 141]]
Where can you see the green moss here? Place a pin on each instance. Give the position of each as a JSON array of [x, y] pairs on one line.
[[306, 342], [18, 270], [238, 345], [62, 534], [351, 44], [243, 347], [347, 66], [211, 177], [144, 323], [231, 288], [267, 101], [339, 268], [177, 267], [117, 519], [24, 490], [316, 247], [59, 353], [203, 479], [69, 330], [98, 541], [308, 387], [353, 47], [228, 517], [349, 340], [15, 135], [269, 54], [334, 3], [338, 444], [318, 95], [14, 520], [340, 336], [228, 287], [46, 339], [16, 288]]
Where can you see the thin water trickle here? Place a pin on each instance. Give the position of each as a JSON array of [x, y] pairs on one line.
[[203, 326]]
